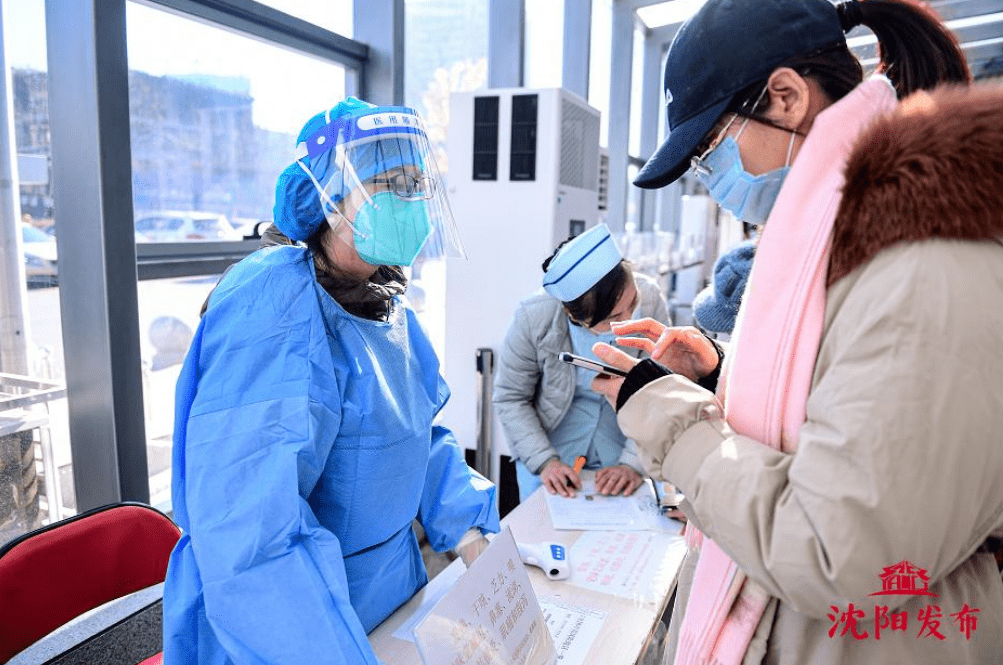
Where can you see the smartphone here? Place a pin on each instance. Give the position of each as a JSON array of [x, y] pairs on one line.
[[593, 365]]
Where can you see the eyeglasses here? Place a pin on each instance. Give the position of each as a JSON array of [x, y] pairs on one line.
[[407, 186], [619, 315], [697, 161]]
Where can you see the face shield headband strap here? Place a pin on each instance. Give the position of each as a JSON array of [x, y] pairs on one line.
[[342, 163], [325, 198], [346, 166]]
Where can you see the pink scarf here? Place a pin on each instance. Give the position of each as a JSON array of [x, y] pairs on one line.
[[770, 366]]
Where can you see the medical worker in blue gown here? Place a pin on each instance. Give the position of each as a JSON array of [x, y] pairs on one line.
[[304, 441]]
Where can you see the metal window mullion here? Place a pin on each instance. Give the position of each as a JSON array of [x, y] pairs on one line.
[[271, 25], [380, 24], [652, 108], [506, 43], [92, 187], [621, 65], [577, 46]]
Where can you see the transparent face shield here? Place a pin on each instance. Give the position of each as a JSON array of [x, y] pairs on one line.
[[376, 173]]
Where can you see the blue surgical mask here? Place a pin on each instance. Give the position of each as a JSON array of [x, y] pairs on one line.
[[749, 197], [390, 231], [583, 338]]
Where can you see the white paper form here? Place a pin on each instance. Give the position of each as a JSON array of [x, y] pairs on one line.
[[573, 629], [631, 564], [590, 511]]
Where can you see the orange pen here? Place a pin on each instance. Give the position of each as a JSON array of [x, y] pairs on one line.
[[579, 465]]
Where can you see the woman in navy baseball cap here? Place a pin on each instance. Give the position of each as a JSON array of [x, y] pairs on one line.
[[864, 370]]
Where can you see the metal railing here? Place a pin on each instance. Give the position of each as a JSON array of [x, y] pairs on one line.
[[20, 419]]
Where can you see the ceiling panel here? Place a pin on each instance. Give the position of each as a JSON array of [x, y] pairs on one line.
[[978, 25]]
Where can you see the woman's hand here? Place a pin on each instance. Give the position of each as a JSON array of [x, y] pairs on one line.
[[619, 479], [555, 476], [684, 350], [606, 384]]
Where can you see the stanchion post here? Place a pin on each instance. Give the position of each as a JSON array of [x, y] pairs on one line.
[[485, 411]]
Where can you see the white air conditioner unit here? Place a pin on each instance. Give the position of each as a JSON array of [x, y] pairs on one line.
[[523, 176]]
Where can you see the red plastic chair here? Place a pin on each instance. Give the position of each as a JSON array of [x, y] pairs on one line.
[[54, 574]]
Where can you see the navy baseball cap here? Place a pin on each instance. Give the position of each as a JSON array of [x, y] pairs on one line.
[[725, 47]]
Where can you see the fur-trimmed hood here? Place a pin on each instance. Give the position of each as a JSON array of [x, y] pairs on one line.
[[931, 169]]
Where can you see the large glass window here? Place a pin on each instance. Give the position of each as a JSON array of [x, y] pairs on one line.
[[168, 316], [35, 466], [446, 42], [636, 92], [544, 59], [600, 57], [214, 117]]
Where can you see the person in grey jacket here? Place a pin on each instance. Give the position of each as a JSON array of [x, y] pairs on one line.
[[548, 412]]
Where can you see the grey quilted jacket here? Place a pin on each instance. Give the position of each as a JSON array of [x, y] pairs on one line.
[[533, 389]]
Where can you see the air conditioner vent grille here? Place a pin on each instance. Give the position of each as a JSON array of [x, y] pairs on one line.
[[579, 140], [603, 180]]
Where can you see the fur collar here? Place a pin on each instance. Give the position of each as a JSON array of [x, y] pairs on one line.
[[931, 169]]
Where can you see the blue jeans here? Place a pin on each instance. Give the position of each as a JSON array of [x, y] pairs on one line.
[[528, 481]]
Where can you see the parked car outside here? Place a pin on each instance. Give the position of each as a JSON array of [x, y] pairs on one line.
[[250, 228], [40, 259], [183, 226]]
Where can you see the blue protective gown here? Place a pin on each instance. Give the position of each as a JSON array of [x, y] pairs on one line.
[[303, 449]]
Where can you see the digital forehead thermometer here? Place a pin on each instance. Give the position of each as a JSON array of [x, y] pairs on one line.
[[551, 558]]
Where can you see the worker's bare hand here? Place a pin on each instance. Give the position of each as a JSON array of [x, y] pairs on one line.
[[555, 476], [616, 480], [684, 350]]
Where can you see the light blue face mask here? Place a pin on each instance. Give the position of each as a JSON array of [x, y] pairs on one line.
[[582, 339], [390, 231], [750, 198]]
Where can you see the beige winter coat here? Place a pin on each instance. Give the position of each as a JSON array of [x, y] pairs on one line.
[[901, 456]]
